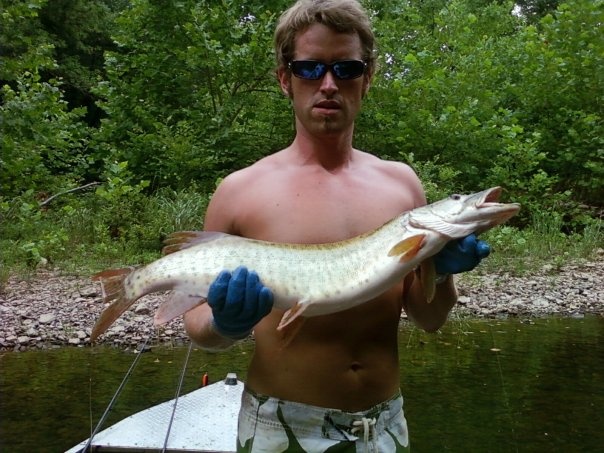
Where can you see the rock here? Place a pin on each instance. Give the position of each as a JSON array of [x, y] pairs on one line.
[[117, 329], [142, 309], [46, 318], [31, 332], [463, 300], [90, 292]]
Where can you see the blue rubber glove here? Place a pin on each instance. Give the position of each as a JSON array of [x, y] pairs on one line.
[[461, 255], [238, 301]]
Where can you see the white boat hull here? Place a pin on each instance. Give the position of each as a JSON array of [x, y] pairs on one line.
[[205, 421]]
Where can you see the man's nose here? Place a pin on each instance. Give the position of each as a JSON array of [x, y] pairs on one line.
[[328, 83]]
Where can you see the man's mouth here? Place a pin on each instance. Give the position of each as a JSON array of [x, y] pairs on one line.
[[328, 105]]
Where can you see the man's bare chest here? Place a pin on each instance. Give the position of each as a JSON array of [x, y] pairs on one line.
[[320, 217]]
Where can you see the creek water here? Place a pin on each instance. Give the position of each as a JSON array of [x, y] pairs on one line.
[[476, 386]]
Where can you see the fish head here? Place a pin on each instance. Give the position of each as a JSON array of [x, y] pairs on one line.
[[460, 215]]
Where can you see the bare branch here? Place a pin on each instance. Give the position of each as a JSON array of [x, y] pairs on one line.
[[85, 186]]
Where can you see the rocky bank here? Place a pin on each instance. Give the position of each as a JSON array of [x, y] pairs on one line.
[[49, 309]]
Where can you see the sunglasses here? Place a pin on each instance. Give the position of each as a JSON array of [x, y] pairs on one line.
[[314, 70]]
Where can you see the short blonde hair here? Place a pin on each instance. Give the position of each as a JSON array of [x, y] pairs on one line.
[[343, 16]]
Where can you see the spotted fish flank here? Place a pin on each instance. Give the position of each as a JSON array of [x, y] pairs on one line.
[[306, 280]]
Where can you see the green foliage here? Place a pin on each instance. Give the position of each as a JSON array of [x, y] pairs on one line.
[[471, 93], [190, 95], [79, 31], [437, 177], [85, 232], [24, 44], [42, 141], [534, 10], [543, 245], [561, 94], [500, 102]]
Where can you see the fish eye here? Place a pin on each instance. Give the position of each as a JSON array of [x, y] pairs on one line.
[[455, 196]]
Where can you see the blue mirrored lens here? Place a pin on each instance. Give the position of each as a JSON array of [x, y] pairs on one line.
[[314, 70]]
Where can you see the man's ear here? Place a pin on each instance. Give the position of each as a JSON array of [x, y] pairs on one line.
[[367, 83], [284, 81]]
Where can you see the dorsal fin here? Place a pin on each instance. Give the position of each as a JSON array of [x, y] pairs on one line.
[[181, 240]]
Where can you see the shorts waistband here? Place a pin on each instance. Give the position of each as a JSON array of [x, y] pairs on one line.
[[315, 419]]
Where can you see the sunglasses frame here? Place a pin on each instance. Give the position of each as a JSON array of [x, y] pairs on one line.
[[326, 67]]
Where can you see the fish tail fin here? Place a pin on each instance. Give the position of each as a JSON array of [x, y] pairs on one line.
[[112, 282], [408, 248], [113, 291]]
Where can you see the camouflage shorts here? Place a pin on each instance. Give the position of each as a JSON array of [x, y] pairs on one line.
[[270, 425]]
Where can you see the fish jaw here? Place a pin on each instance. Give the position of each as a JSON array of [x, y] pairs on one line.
[[485, 209], [461, 215]]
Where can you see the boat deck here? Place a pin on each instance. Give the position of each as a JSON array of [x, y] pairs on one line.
[[205, 421]]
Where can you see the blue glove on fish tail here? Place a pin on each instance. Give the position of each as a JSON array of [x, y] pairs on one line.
[[461, 255], [238, 301]]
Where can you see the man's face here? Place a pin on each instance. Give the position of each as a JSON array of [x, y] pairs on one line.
[[327, 105]]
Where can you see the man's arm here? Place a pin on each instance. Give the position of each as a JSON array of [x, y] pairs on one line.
[[457, 256], [236, 301], [428, 316], [198, 325], [198, 321]]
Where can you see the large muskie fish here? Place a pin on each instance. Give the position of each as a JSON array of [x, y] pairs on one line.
[[306, 280]]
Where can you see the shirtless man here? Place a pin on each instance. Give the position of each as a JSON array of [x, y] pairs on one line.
[[337, 381]]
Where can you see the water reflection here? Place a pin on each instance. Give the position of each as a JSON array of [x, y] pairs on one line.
[[507, 386], [497, 386]]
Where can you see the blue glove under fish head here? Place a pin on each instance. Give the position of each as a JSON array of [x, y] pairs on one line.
[[461, 255]]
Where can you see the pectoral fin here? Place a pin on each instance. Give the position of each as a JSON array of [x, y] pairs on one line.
[[177, 304], [408, 248], [427, 274]]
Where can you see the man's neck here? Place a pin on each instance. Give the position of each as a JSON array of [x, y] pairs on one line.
[[331, 152]]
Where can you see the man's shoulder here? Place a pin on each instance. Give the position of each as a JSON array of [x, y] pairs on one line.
[[388, 167], [397, 176], [247, 175]]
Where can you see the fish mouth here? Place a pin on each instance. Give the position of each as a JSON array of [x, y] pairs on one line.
[[489, 197], [501, 212]]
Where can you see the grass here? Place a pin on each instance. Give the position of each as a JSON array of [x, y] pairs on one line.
[[83, 235], [541, 246]]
